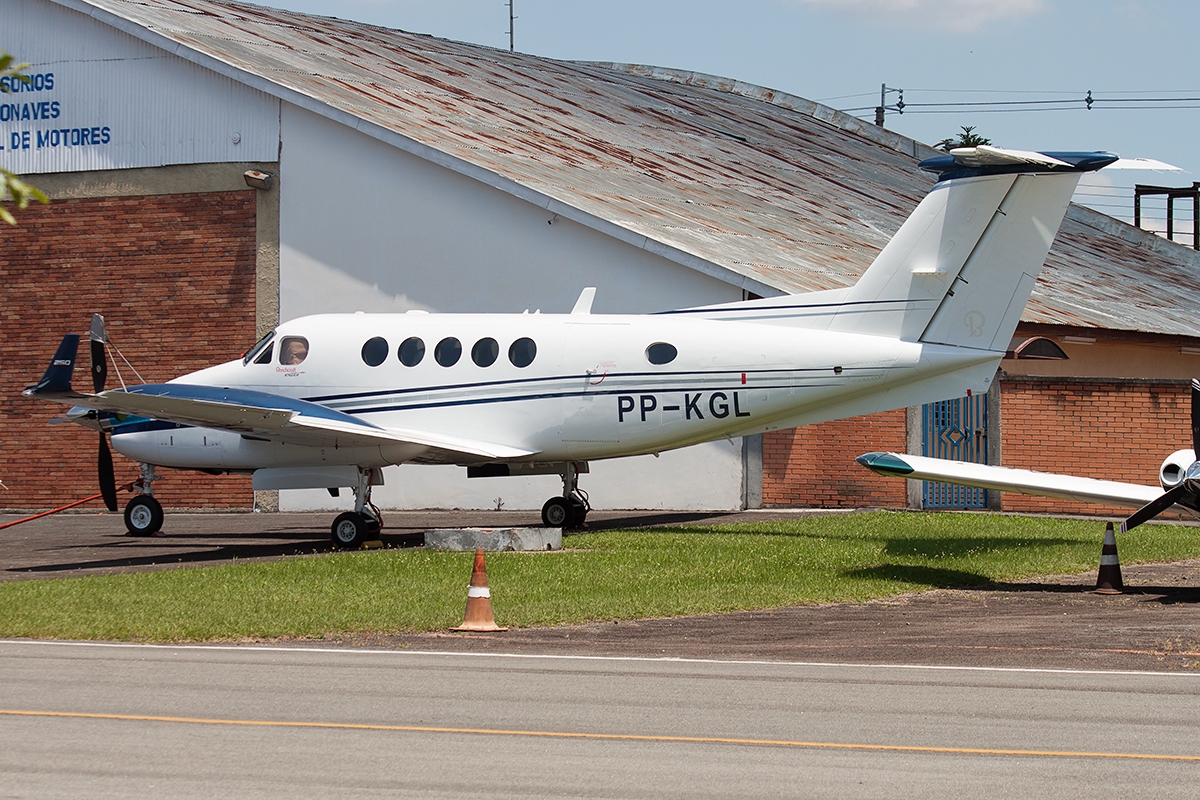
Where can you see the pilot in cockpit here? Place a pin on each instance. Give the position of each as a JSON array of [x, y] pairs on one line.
[[293, 351]]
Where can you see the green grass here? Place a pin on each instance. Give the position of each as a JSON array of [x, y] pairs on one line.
[[613, 575]]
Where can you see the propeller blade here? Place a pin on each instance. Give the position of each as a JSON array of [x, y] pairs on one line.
[[99, 366], [97, 332], [1196, 417], [98, 336], [1154, 507], [108, 481]]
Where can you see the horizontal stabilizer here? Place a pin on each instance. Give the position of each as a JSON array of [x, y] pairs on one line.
[[1022, 481], [970, 162]]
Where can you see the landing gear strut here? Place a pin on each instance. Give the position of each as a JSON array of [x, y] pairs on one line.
[[144, 514], [352, 528], [570, 510]]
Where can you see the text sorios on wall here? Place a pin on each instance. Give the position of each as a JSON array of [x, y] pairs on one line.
[[42, 82], [36, 111]]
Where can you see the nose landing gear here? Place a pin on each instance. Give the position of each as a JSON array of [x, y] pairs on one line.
[[570, 510], [144, 514]]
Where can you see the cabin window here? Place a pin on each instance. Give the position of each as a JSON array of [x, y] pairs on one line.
[[522, 352], [661, 353], [448, 351], [265, 356], [258, 347], [484, 352], [293, 350], [375, 351], [411, 351]]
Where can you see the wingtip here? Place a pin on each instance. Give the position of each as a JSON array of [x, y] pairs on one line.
[[885, 464]]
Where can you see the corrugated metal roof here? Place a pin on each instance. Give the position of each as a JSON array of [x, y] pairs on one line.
[[766, 190]]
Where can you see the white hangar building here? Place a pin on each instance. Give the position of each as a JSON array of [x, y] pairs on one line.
[[217, 167]]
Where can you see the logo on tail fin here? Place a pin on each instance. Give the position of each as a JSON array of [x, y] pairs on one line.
[[975, 320]]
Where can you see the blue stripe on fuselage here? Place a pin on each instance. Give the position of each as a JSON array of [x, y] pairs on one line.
[[730, 373]]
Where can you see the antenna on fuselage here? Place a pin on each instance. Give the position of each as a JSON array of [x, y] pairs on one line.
[[584, 304]]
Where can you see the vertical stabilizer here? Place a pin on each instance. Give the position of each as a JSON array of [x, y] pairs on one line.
[[960, 269], [985, 302]]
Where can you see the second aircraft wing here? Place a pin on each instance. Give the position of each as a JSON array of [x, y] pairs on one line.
[[1045, 484]]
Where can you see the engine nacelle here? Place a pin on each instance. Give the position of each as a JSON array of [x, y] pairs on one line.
[[1174, 467]]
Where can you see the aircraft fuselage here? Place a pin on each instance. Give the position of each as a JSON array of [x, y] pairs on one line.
[[590, 389]]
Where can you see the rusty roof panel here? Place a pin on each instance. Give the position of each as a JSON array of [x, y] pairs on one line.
[[787, 194]]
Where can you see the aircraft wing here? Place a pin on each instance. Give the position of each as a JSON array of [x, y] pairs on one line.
[[274, 417], [1023, 481], [262, 414]]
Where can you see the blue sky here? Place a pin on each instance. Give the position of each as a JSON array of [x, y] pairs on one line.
[[938, 51]]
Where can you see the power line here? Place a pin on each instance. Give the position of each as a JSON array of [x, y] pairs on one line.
[[1090, 101], [845, 97]]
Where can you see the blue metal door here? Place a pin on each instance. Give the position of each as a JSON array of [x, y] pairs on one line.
[[955, 429]]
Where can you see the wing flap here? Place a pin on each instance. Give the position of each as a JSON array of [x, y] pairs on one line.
[[451, 446]]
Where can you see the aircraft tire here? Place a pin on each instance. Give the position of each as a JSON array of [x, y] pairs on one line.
[[143, 516], [559, 512], [349, 530], [580, 513]]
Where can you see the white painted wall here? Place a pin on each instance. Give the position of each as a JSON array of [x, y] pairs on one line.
[[103, 99], [367, 227], [704, 477], [379, 229]]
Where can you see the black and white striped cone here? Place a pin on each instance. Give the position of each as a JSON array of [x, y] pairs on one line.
[[1109, 579]]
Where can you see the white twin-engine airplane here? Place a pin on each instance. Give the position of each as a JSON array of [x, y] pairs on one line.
[[1179, 477], [326, 401]]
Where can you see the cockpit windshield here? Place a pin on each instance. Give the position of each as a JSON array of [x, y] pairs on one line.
[[262, 344]]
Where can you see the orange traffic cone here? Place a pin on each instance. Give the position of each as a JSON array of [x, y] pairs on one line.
[[1109, 579], [479, 600]]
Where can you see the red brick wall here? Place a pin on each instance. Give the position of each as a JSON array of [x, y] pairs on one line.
[[1114, 430], [814, 465], [174, 277]]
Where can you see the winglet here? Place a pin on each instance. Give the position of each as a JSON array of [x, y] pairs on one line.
[[58, 375]]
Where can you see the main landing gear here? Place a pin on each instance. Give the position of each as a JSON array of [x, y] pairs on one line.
[[570, 510], [144, 514], [352, 528]]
